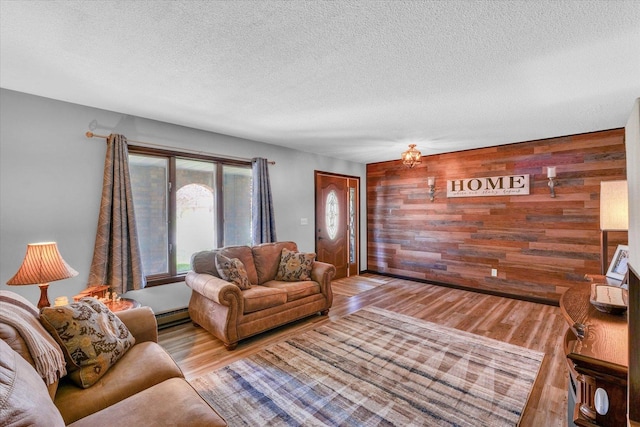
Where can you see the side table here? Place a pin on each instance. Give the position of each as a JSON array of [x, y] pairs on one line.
[[122, 304], [596, 346], [101, 291]]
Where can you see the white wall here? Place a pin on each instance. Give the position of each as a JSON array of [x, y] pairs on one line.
[[51, 180]]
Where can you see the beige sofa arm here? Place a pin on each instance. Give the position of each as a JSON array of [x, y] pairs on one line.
[[322, 273], [141, 322], [215, 289]]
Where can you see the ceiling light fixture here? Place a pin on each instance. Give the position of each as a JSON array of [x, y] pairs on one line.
[[411, 157]]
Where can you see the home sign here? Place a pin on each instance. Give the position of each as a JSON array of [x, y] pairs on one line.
[[508, 185]]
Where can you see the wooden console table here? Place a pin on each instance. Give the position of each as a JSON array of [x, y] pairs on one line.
[[596, 346]]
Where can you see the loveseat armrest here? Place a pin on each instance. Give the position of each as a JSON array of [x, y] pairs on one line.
[[322, 273], [141, 322], [214, 288]]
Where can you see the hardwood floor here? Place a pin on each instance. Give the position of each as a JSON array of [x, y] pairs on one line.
[[535, 326]]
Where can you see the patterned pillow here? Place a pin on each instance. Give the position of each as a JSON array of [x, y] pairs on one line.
[[295, 266], [91, 336], [232, 270]]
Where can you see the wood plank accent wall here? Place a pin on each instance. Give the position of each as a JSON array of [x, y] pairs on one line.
[[539, 245]]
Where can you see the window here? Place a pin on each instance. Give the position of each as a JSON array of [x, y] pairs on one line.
[[331, 214], [149, 178], [184, 205], [236, 188], [195, 210], [352, 225]]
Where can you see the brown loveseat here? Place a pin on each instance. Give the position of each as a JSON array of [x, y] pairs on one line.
[[232, 314], [144, 387]]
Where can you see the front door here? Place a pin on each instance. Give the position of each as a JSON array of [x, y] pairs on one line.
[[337, 222]]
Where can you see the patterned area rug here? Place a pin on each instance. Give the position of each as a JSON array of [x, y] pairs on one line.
[[376, 368]]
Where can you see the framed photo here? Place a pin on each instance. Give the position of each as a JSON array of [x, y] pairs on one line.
[[619, 267]]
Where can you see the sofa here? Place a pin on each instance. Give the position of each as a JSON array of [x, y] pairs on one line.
[[266, 297], [143, 387]]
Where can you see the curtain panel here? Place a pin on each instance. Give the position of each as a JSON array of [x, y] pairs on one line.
[[116, 254], [263, 223]]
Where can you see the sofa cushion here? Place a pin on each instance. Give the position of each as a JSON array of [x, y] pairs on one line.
[[260, 297], [171, 403], [24, 399], [12, 337], [21, 329], [232, 270], [205, 262], [244, 254], [91, 336], [295, 266], [266, 257], [295, 290], [143, 366]]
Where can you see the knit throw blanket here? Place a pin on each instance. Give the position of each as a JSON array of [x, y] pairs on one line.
[[19, 313]]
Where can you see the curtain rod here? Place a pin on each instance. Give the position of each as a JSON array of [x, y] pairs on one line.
[[90, 134]]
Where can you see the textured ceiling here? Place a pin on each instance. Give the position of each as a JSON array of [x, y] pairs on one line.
[[357, 80]]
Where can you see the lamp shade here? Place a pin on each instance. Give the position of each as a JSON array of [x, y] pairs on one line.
[[42, 264], [614, 206]]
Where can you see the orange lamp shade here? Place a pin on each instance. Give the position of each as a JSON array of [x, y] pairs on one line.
[[42, 264]]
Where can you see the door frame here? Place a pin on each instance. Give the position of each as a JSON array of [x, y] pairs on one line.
[[352, 269]]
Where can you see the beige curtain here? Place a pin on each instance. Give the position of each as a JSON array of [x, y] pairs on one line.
[[116, 255]]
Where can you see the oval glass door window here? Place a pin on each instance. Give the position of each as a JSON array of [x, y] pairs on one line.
[[331, 214]]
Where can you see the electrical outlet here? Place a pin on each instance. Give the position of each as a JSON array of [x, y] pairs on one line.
[[494, 272]]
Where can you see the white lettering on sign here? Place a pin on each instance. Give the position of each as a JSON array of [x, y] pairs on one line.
[[509, 185]]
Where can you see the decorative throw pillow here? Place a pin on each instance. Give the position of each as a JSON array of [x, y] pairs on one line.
[[295, 266], [91, 336], [232, 270]]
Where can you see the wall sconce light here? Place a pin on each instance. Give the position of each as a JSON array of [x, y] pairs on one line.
[[431, 182], [551, 174]]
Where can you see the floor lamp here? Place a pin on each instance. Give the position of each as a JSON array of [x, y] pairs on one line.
[[614, 215]]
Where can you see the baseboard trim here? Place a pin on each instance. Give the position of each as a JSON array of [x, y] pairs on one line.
[[172, 318], [539, 300]]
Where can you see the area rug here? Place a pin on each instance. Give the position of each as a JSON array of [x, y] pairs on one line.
[[376, 368]]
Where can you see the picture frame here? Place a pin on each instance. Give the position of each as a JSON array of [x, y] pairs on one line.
[[619, 267]]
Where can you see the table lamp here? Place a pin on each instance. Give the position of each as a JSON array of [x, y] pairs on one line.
[[614, 215], [42, 264]]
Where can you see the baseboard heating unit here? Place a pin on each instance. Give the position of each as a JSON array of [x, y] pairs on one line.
[[172, 318]]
